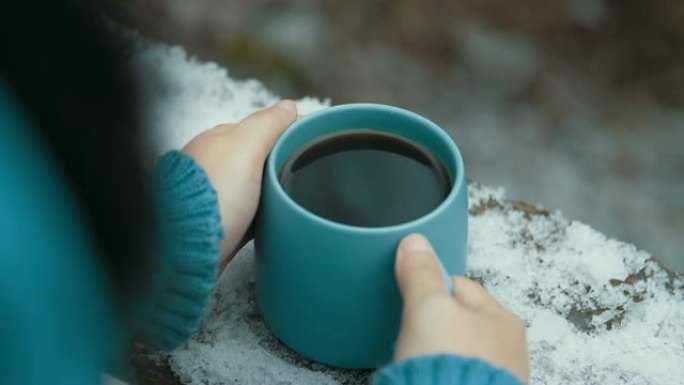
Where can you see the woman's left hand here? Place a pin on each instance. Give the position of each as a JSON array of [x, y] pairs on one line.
[[233, 156]]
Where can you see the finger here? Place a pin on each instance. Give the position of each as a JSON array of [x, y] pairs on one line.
[[473, 296], [262, 128], [418, 272]]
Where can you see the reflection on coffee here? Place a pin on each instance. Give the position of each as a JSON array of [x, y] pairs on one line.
[[366, 178]]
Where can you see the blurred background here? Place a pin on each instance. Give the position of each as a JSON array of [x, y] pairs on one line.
[[577, 105]]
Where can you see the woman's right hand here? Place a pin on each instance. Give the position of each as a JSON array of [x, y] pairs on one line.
[[471, 323]]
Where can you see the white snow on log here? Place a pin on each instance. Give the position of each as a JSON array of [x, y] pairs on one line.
[[599, 311]]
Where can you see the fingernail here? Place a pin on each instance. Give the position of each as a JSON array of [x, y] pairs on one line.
[[415, 243], [287, 105]]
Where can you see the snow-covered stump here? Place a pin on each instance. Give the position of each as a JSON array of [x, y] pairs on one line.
[[598, 311]]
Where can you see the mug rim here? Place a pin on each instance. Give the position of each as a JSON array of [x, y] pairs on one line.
[[456, 188]]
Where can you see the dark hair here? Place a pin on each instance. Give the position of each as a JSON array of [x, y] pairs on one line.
[[65, 68]]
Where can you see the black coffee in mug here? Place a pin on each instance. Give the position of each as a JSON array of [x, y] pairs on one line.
[[366, 178]]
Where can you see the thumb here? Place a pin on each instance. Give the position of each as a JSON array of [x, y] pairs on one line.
[[262, 128], [418, 272]]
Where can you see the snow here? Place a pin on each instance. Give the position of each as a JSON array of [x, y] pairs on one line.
[[598, 311], [588, 322], [185, 96]]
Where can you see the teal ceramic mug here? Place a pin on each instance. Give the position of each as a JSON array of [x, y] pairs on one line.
[[326, 289]]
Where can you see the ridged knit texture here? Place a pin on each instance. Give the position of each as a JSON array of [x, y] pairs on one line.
[[443, 370], [192, 230]]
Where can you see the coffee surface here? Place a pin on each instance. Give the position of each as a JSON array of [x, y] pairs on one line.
[[366, 178]]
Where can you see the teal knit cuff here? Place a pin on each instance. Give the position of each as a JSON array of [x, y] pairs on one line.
[[444, 369], [192, 232]]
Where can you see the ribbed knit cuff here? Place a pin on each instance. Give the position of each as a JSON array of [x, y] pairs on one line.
[[442, 370], [192, 234]]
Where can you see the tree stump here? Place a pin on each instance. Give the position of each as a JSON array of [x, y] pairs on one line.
[[598, 311]]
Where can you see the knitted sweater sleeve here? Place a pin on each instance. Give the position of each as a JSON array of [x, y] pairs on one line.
[[191, 233], [444, 369]]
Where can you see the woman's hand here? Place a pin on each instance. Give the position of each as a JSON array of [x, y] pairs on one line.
[[471, 323], [233, 156]]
